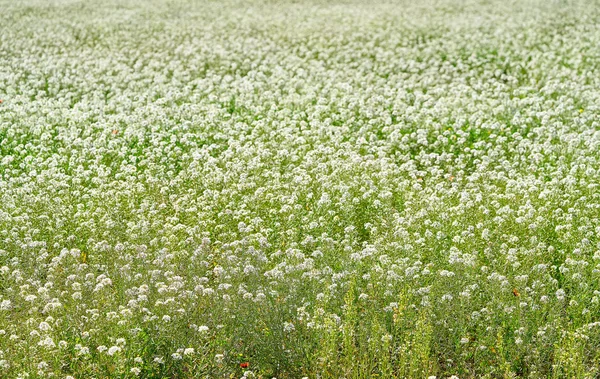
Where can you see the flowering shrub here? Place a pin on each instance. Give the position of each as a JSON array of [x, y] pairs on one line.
[[299, 189]]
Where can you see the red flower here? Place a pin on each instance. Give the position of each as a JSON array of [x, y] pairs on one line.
[[244, 365]]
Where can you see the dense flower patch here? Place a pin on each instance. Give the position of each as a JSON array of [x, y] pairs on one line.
[[299, 189]]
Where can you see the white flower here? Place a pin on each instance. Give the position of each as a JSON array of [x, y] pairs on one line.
[[188, 351], [47, 343], [316, 149], [5, 305], [446, 273]]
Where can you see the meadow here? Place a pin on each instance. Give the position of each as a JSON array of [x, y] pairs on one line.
[[299, 189]]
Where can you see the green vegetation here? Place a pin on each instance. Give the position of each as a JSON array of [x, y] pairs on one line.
[[290, 189]]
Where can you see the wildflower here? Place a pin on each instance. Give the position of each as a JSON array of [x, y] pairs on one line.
[[389, 165], [188, 351], [47, 343]]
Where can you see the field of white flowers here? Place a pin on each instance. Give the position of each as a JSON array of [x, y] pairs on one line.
[[290, 189]]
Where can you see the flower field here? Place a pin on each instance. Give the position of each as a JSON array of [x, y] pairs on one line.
[[299, 189]]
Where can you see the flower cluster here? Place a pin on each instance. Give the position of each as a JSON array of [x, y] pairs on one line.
[[314, 189]]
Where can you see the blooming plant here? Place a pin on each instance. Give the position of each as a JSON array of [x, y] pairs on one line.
[[340, 189]]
